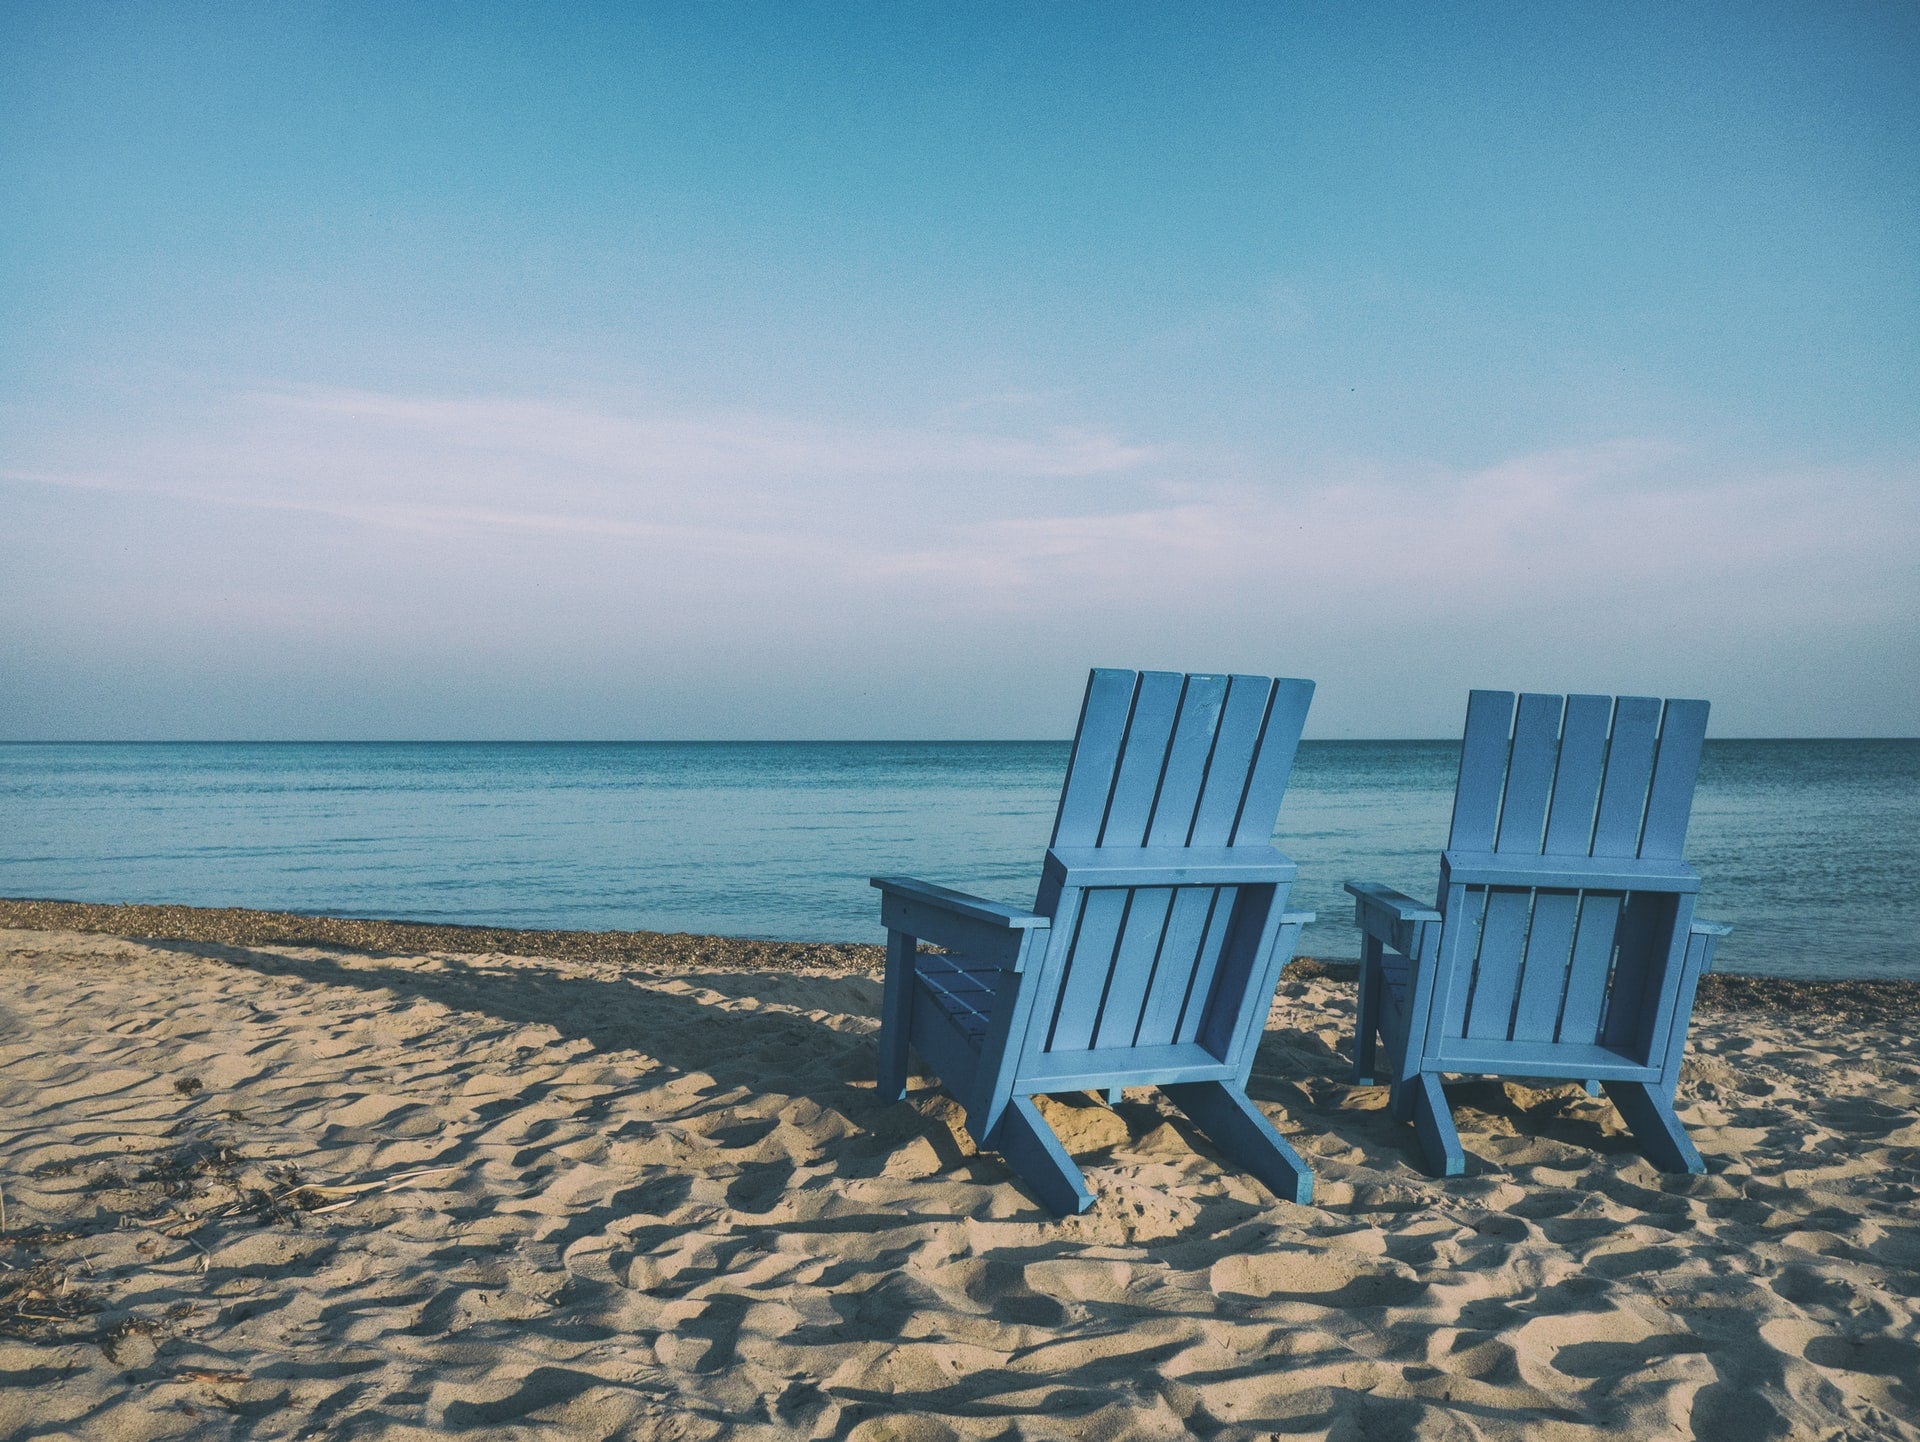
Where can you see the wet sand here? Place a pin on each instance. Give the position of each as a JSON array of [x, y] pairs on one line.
[[281, 1176]]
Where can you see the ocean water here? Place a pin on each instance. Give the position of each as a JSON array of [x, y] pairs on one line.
[[1811, 849]]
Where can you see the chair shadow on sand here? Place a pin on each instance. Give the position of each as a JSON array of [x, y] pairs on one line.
[[775, 1047], [782, 1046], [1311, 1082]]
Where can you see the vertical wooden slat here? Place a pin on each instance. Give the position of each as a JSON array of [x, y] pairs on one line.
[[1133, 965], [1187, 922], [1645, 930], [896, 1015], [1587, 970], [1698, 957], [1683, 731], [1503, 939], [1536, 748], [1370, 986], [1623, 795], [1087, 970], [1143, 758], [1459, 981], [1193, 1006], [1045, 988], [1483, 771], [1187, 757], [1437, 1005], [1267, 784], [1096, 751], [1243, 986], [1666, 962], [1005, 1041], [1242, 715], [1543, 978], [1576, 784], [1281, 938]]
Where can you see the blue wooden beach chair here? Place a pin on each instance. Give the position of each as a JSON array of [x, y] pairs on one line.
[[1152, 952], [1563, 941]]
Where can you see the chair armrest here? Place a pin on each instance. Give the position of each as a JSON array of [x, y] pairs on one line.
[[1396, 903], [1389, 916], [969, 925], [1711, 931], [958, 902], [1297, 918]]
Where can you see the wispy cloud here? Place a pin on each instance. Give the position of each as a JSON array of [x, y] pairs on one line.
[[343, 524], [1599, 525], [423, 519], [737, 444], [995, 520], [734, 483]]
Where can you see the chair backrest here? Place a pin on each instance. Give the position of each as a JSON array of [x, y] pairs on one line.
[[1581, 804], [1165, 759], [1577, 775], [1162, 760]]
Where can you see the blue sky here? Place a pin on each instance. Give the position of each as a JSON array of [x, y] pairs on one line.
[[873, 370]]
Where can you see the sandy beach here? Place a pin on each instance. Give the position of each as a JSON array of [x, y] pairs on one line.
[[281, 1177]]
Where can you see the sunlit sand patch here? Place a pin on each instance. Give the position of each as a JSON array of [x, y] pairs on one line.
[[302, 1190]]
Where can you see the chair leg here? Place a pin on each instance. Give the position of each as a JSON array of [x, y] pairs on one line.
[[1593, 1088], [1433, 1120], [1111, 1096], [896, 1016], [1366, 1021], [1037, 1158], [1235, 1125], [1663, 1141], [1401, 1097]]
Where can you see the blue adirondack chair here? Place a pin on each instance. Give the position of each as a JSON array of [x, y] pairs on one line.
[[1152, 951], [1563, 942]]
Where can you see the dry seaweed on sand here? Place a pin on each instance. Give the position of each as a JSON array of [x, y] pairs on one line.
[[187, 1188], [237, 926], [276, 1192], [41, 1301]]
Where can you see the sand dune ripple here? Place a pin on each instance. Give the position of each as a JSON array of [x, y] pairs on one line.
[[285, 1190]]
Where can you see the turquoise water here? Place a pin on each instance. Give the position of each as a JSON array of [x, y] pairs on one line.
[[1810, 848]]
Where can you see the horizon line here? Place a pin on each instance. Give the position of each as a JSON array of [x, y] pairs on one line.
[[742, 741]]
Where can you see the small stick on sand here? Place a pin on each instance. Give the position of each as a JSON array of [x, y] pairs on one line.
[[217, 1379], [206, 1257], [346, 1196]]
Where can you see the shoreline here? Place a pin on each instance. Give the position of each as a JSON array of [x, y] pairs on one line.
[[244, 926], [1825, 999]]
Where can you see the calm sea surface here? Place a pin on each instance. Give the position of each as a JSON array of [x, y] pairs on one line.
[[1810, 848]]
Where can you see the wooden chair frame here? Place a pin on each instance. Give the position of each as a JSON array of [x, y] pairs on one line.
[[1563, 941], [1152, 951]]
